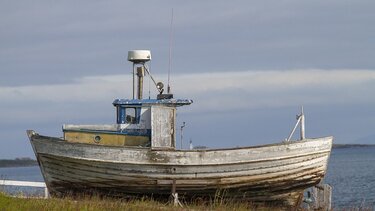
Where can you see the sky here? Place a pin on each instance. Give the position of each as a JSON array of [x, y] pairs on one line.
[[249, 66]]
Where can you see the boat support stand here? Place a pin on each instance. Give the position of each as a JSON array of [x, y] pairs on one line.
[[176, 202]]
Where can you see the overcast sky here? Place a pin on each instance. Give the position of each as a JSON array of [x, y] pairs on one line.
[[248, 66]]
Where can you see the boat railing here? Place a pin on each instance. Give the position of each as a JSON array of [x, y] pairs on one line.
[[26, 184]]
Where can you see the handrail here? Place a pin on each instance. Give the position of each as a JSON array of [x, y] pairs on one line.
[[26, 184]]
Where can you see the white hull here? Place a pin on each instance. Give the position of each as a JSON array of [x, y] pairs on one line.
[[276, 173]]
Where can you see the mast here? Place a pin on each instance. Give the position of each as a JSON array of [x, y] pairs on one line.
[[139, 59], [140, 74]]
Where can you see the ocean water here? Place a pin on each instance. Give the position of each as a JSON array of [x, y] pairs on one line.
[[23, 174], [351, 173]]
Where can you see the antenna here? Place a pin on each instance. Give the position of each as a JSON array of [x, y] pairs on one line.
[[140, 68], [182, 133], [170, 54]]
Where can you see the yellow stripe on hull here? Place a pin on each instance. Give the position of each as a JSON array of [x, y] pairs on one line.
[[106, 139]]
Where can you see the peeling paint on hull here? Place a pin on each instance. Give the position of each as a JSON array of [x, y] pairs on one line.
[[276, 173]]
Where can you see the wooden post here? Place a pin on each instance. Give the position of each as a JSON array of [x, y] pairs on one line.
[[299, 201], [328, 196], [140, 74], [323, 197], [176, 202], [46, 193], [174, 187], [174, 194], [133, 81]]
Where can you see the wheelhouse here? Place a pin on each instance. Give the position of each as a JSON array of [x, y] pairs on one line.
[[139, 123]]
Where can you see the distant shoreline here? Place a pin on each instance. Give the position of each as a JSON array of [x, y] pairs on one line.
[[18, 162], [340, 146]]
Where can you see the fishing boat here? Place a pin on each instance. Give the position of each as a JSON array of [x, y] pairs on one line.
[[137, 156]]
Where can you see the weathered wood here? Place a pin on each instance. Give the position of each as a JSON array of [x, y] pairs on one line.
[[162, 127], [299, 202], [106, 138], [323, 197], [274, 173], [176, 201]]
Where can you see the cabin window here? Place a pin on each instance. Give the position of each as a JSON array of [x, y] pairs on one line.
[[128, 115], [131, 117]]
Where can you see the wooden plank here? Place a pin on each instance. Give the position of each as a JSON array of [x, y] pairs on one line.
[[106, 139], [162, 127], [323, 197], [64, 171], [189, 172], [160, 157]]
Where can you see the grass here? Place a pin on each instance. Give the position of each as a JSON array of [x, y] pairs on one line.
[[96, 203], [93, 203]]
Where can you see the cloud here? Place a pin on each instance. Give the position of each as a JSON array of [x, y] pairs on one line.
[[45, 42], [254, 99], [63, 62], [256, 89], [212, 91]]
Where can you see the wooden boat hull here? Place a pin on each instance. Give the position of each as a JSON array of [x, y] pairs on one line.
[[268, 173]]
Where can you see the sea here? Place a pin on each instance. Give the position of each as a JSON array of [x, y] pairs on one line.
[[351, 173]]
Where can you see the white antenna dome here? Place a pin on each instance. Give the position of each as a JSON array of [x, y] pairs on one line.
[[139, 56]]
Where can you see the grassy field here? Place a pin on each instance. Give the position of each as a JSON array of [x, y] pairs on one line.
[[97, 203]]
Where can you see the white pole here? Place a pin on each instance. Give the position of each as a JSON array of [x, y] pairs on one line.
[[182, 132], [302, 124], [133, 81], [46, 193]]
